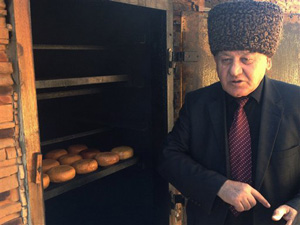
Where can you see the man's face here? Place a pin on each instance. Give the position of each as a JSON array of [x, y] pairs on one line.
[[240, 72]]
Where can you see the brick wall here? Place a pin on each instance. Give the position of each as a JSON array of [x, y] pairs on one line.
[[13, 204]]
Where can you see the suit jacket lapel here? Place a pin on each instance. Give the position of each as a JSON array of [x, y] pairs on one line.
[[217, 112], [271, 115]]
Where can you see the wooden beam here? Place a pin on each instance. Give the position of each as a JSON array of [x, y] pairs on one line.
[[63, 94], [80, 81], [29, 130], [68, 47], [74, 136]]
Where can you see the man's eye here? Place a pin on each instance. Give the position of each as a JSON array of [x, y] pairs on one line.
[[226, 60], [247, 60]]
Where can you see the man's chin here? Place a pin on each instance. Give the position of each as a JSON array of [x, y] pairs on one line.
[[238, 94]]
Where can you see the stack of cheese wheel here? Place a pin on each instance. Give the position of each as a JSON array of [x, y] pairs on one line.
[[82, 161], [50, 162], [89, 153], [107, 158], [124, 152]]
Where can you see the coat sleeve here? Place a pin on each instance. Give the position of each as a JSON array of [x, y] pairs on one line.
[[177, 165], [295, 202]]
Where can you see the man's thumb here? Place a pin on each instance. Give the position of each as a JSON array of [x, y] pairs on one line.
[[279, 213]]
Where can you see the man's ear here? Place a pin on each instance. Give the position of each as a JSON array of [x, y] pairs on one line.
[[269, 63]]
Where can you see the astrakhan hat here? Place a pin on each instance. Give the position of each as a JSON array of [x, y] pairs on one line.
[[245, 25]]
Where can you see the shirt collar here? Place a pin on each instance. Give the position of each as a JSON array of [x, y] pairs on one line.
[[257, 93]]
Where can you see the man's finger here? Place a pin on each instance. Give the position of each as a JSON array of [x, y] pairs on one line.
[[279, 213], [260, 198]]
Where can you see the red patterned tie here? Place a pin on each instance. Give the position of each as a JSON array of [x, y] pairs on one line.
[[240, 147]]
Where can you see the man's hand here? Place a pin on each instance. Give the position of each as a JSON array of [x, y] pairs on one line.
[[241, 195], [286, 212]]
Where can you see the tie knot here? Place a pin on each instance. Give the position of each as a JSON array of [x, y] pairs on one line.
[[242, 101]]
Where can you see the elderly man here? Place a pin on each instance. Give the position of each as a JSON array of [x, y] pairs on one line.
[[234, 151]]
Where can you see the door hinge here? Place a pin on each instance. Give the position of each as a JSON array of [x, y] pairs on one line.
[[176, 198], [177, 207], [174, 57], [186, 56]]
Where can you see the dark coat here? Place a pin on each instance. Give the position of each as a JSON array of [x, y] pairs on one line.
[[195, 158]]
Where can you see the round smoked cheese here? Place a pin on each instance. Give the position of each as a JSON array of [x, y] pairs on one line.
[[61, 173], [107, 158], [69, 159], [46, 180], [55, 154], [125, 152], [89, 153], [47, 164], [76, 149], [84, 166]]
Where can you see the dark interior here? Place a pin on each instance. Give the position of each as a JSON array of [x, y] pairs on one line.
[[125, 40]]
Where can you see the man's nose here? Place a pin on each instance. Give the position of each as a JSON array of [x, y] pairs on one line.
[[235, 68]]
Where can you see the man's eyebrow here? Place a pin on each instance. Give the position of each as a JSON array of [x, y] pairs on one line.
[[224, 54]]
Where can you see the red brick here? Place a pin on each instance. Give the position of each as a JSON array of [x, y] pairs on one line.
[[8, 183], [2, 20], [4, 195], [8, 162], [17, 221], [5, 100], [5, 79], [6, 90], [2, 4], [9, 218], [6, 113], [11, 153], [3, 12], [2, 154], [7, 142], [10, 208], [7, 125], [4, 33], [8, 171], [5, 67], [3, 41], [9, 196], [7, 133], [3, 55]]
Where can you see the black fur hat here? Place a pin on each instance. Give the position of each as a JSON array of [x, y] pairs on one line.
[[246, 25]]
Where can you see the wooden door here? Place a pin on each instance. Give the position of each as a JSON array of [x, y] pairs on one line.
[[198, 67], [22, 53]]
